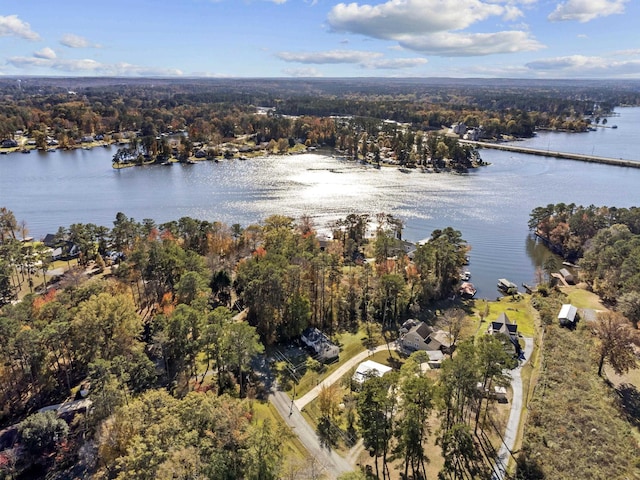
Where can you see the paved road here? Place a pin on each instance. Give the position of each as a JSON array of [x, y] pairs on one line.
[[547, 153], [511, 432], [333, 464], [338, 374]]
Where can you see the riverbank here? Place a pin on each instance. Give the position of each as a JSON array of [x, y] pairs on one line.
[[490, 206]]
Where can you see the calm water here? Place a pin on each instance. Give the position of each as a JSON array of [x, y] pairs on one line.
[[490, 206], [621, 142]]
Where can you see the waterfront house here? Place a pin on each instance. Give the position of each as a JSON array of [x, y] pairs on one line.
[[60, 248], [424, 337], [503, 325], [9, 143]]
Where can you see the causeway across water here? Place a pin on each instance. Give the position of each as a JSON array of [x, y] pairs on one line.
[[550, 153]]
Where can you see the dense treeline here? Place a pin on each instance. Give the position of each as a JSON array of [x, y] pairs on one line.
[[605, 241], [162, 324], [211, 110]]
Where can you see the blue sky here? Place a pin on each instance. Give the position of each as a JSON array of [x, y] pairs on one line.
[[322, 38]]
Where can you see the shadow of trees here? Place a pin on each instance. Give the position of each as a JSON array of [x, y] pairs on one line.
[[629, 400]]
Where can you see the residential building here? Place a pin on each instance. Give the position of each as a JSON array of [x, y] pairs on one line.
[[424, 337], [369, 369], [568, 315], [323, 348]]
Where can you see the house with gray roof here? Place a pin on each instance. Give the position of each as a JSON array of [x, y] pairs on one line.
[[424, 337]]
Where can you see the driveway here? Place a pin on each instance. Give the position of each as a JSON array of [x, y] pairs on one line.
[[511, 432], [341, 371], [332, 464]]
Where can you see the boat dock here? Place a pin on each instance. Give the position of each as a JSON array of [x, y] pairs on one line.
[[550, 153]]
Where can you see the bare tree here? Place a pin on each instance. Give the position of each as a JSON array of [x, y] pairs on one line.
[[453, 320]]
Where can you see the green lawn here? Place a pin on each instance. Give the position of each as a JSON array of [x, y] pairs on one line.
[[518, 310], [350, 345], [581, 298]]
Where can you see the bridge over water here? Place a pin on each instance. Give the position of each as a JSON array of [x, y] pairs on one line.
[[550, 153]]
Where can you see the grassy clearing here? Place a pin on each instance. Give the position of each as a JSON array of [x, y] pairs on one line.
[[38, 278], [582, 298], [518, 310], [575, 427], [394, 360]]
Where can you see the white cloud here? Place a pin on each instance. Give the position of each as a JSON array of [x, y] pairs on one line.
[[12, 26], [395, 63], [625, 53], [586, 10], [89, 66], [372, 60], [46, 52], [302, 72], [416, 17], [435, 26], [512, 13], [584, 66], [76, 41], [471, 44], [331, 56]]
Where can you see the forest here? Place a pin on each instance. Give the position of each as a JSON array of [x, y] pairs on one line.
[[152, 337], [214, 110], [160, 326], [604, 241]]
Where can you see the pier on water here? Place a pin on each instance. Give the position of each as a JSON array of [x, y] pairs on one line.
[[550, 153]]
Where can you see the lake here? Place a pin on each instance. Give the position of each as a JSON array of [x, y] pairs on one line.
[[490, 205]]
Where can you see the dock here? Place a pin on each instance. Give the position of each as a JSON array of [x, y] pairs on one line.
[[528, 288], [555, 154], [560, 278]]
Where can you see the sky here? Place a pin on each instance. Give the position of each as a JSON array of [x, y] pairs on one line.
[[321, 38]]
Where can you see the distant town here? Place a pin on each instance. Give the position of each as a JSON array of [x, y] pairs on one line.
[[192, 348]]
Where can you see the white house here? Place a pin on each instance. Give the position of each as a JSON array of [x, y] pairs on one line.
[[368, 369], [324, 348]]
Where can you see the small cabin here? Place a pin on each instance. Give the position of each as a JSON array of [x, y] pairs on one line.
[[568, 315]]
